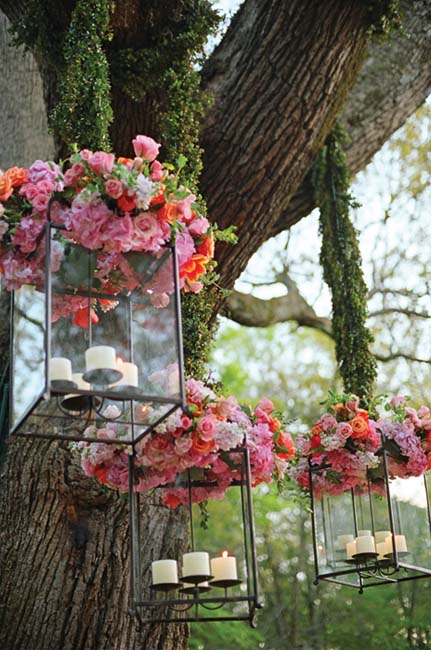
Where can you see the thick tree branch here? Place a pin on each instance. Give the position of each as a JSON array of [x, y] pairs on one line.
[[248, 310], [279, 79], [395, 80]]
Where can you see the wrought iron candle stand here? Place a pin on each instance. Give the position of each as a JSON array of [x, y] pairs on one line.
[[194, 596], [70, 365], [374, 536]]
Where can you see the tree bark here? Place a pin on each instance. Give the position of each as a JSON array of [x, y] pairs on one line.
[[24, 128]]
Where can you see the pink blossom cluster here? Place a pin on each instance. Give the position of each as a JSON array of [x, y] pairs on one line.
[[208, 439], [23, 216], [112, 206], [407, 434]]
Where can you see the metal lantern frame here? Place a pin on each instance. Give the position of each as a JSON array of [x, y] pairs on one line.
[[189, 604], [366, 568], [89, 402]]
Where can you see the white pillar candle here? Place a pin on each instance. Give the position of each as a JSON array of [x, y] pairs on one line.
[[365, 544], [60, 368], [381, 535], [381, 550], [350, 549], [364, 533], [342, 540], [164, 572], [224, 567], [100, 357], [196, 564], [400, 544], [129, 371]]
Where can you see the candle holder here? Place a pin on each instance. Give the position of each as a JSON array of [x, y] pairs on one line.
[[394, 512], [198, 597], [131, 335]]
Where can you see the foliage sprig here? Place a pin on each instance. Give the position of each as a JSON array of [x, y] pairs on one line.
[[83, 113]]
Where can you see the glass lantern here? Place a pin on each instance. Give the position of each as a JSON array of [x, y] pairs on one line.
[[375, 535], [216, 579], [86, 354]]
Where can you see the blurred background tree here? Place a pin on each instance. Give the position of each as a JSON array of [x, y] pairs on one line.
[[295, 365]]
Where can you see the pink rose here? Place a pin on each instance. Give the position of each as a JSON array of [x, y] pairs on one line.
[[344, 430], [397, 401], [102, 162], [146, 147], [266, 405], [199, 227], [157, 171], [114, 188], [207, 426], [86, 154]]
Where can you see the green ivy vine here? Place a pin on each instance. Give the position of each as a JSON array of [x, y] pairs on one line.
[[341, 261]]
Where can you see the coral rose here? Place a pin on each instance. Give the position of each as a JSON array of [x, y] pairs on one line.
[[202, 446], [17, 176], [206, 247], [6, 187], [359, 427], [194, 268]]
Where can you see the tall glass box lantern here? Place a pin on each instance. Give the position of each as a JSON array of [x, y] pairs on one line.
[[374, 535], [92, 357], [211, 580]]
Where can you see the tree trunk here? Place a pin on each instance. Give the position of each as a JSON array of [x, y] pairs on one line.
[[24, 129]]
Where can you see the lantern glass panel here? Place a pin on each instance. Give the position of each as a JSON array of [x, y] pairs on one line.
[[410, 508], [135, 323], [27, 354], [233, 596]]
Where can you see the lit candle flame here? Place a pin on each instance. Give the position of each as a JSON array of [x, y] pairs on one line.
[[225, 554], [120, 360]]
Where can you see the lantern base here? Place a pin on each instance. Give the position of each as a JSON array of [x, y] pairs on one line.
[[196, 579], [166, 586], [102, 376], [224, 584], [391, 556]]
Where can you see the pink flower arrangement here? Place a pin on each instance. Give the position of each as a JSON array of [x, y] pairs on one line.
[[341, 445], [207, 439], [112, 206], [345, 443]]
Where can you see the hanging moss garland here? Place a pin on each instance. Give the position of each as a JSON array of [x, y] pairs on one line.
[[83, 113], [341, 261], [167, 69]]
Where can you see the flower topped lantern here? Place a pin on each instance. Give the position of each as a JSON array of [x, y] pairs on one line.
[[95, 253], [369, 494]]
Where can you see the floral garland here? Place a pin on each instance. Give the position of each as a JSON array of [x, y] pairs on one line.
[[115, 207], [346, 442], [343, 443], [205, 439]]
